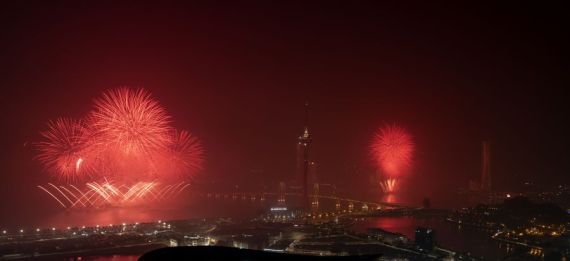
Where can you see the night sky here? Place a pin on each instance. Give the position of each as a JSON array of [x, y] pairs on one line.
[[237, 76]]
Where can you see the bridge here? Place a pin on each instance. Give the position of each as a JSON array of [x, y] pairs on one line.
[[282, 197]]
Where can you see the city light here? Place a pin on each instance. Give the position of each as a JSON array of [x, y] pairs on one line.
[[433, 132]]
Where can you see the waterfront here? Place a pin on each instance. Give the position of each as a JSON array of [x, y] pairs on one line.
[[449, 235], [464, 239], [476, 241], [191, 209]]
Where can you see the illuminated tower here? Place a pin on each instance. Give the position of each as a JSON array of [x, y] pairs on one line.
[[303, 162], [486, 167], [282, 193]]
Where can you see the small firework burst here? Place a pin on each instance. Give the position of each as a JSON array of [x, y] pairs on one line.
[[392, 148]]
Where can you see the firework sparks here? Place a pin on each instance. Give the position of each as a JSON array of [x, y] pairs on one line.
[[186, 153], [131, 120], [388, 186], [128, 137], [65, 142], [392, 148], [96, 194]]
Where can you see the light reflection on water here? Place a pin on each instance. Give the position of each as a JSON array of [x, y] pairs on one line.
[[448, 235], [60, 218]]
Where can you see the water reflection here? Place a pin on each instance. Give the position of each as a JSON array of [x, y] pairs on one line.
[[118, 215], [390, 198], [448, 235]]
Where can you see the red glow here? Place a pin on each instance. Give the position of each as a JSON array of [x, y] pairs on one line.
[[392, 149], [107, 193], [128, 137], [63, 148], [389, 185], [131, 121]]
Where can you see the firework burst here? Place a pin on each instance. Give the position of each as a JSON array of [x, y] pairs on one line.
[[64, 148], [392, 149], [131, 121], [187, 152], [127, 136]]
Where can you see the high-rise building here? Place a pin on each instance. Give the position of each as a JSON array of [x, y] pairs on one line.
[[303, 160]]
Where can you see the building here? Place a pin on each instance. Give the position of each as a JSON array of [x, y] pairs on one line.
[[481, 191], [425, 239], [387, 237]]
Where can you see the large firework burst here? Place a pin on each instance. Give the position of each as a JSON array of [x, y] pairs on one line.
[[127, 136]]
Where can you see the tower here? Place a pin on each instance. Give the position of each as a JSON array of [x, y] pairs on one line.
[[486, 167], [303, 161]]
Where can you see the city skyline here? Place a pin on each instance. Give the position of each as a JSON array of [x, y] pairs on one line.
[[238, 76], [284, 129]]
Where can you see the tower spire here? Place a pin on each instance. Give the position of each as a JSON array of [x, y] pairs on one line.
[[306, 114], [306, 132], [303, 158]]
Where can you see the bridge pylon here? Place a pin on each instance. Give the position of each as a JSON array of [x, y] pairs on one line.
[[282, 193], [315, 201]]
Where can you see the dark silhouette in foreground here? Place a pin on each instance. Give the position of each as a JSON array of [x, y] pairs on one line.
[[231, 253]]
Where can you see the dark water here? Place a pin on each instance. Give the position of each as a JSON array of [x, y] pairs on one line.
[[448, 235]]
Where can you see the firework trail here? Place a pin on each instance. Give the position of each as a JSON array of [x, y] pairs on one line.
[[388, 185], [107, 193]]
